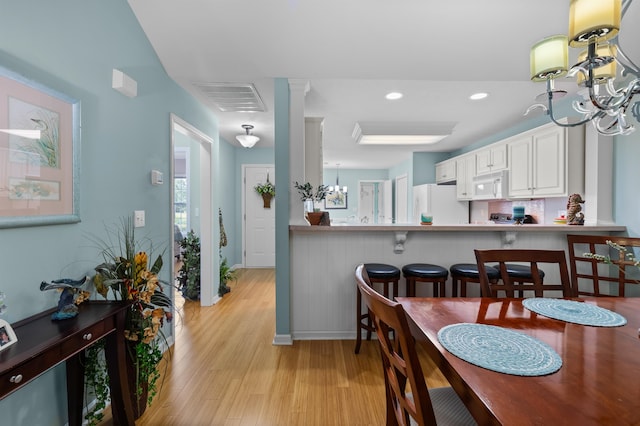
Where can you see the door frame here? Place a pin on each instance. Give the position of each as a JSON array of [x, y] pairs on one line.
[[208, 281]]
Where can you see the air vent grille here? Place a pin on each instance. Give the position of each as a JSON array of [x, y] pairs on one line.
[[233, 97]]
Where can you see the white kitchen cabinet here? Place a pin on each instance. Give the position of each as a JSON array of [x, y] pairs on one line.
[[546, 162], [491, 159], [465, 171], [446, 171]]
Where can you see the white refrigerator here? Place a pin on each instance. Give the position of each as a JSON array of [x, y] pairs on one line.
[[439, 201]]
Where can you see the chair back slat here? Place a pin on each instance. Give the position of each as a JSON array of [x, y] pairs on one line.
[[533, 258]]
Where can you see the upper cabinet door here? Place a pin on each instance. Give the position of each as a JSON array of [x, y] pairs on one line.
[[446, 171], [492, 159], [549, 163], [520, 152]]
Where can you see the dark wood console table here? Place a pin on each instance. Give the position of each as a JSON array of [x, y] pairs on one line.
[[43, 344]]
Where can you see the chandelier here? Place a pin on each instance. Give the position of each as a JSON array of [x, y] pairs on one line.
[[336, 188], [594, 25]]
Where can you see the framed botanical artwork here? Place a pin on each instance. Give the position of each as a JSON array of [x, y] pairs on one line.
[[7, 335], [39, 154], [335, 200]]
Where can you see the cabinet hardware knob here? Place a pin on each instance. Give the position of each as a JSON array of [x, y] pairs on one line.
[[16, 379], [87, 336]]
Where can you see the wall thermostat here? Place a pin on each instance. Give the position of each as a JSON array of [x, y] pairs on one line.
[[156, 177]]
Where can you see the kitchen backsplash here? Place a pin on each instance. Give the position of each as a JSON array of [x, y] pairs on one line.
[[543, 210]]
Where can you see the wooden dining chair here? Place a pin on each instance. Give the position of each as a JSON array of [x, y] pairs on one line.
[[408, 399], [609, 270], [533, 258]]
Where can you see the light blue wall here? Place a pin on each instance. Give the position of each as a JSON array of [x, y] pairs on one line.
[[72, 47], [228, 184], [626, 180], [350, 179], [424, 166]]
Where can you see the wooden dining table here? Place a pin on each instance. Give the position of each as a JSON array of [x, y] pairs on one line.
[[597, 384]]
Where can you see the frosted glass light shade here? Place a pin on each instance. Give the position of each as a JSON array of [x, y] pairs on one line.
[[247, 141], [603, 73], [549, 58], [599, 19]]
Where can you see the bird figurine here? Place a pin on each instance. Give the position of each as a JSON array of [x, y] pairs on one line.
[[67, 305], [574, 217]]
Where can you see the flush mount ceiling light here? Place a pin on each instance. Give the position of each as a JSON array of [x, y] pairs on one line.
[[593, 24], [401, 133], [392, 96], [247, 140]]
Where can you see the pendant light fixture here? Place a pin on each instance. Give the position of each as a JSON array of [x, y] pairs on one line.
[[594, 25], [337, 187], [247, 140]]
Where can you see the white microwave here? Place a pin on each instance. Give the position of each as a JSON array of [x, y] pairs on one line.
[[492, 186]]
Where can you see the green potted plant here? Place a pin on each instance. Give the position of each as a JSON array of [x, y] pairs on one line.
[[310, 197], [129, 272], [267, 190], [189, 273]]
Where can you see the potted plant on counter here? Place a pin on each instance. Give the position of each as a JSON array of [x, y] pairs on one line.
[[309, 197]]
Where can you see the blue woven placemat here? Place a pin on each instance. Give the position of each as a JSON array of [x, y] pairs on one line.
[[500, 349], [575, 312]]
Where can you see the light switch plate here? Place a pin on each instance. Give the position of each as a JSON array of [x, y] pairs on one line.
[[138, 218]]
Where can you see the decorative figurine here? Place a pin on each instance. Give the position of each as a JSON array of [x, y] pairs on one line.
[[67, 305], [574, 217]]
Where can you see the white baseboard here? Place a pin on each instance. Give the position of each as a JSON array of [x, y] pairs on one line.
[[325, 335], [282, 340]]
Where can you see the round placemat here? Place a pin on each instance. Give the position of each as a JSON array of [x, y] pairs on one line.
[[500, 349], [575, 312]]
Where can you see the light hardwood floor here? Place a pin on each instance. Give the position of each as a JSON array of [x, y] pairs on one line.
[[224, 369]]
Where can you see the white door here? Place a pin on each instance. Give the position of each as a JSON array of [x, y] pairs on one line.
[[402, 199], [259, 222]]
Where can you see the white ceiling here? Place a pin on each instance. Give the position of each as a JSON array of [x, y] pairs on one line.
[[353, 52]]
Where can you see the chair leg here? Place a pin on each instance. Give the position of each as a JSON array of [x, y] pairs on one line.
[[454, 287], [358, 320]]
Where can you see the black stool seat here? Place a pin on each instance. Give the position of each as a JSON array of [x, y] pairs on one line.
[[381, 271], [521, 271], [465, 273], [425, 272], [387, 275], [470, 270]]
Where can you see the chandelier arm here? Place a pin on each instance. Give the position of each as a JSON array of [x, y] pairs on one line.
[[623, 96], [550, 114]]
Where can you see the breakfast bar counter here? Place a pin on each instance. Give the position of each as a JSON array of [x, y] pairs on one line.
[[323, 260]]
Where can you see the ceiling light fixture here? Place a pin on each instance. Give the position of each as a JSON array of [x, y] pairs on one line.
[[401, 133], [392, 96], [336, 188], [594, 24], [247, 140]]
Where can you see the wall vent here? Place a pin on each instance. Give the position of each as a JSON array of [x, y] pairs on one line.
[[233, 97]]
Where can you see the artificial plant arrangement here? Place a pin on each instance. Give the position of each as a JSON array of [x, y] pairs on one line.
[[127, 274], [267, 190], [189, 273], [307, 194]]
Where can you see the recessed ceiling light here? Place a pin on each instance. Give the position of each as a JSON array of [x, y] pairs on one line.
[[477, 96], [392, 96]]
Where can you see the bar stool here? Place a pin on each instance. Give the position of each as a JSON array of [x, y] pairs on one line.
[[521, 274], [425, 273], [378, 273], [464, 273]]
